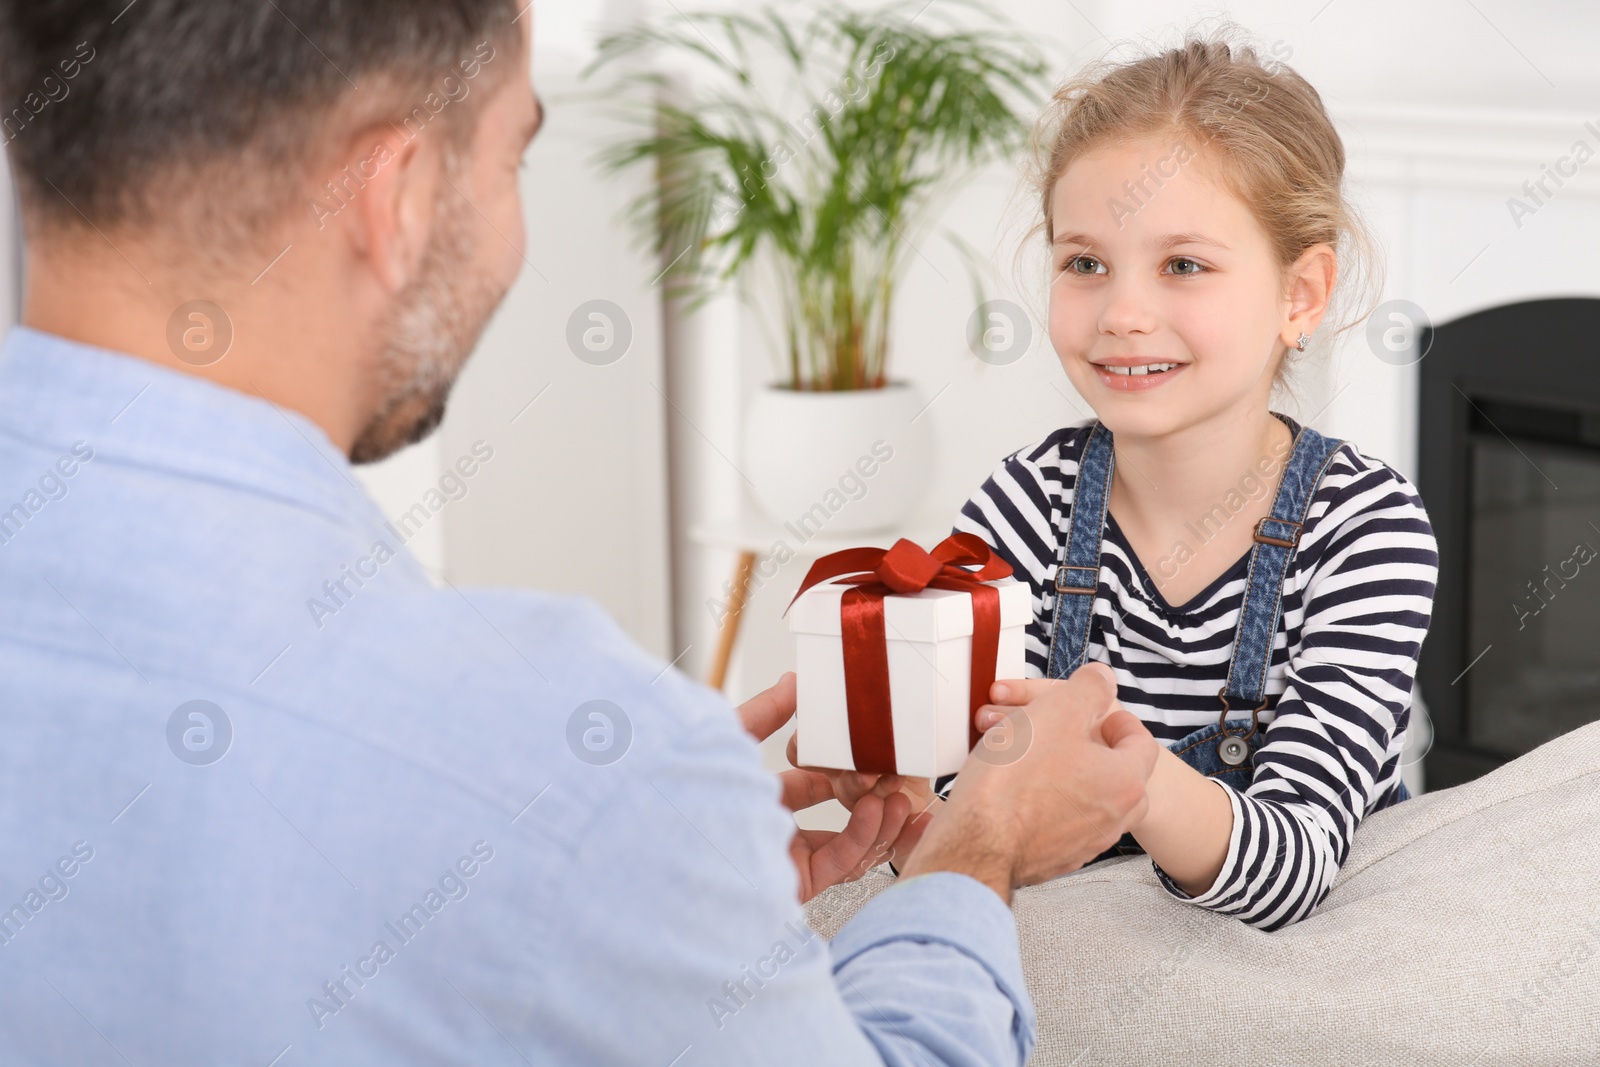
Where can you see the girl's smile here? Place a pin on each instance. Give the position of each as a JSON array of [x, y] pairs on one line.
[[1135, 374]]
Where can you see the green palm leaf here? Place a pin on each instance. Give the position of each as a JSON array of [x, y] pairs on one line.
[[835, 192]]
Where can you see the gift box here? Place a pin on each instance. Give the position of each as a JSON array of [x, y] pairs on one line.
[[897, 648]]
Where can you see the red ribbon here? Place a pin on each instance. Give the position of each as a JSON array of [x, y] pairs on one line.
[[900, 570]]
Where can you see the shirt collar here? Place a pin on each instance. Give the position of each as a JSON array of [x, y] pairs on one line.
[[56, 392]]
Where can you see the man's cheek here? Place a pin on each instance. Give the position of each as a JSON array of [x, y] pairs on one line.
[[511, 238]]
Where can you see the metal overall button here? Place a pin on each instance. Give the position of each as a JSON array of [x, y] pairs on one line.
[[1234, 749]]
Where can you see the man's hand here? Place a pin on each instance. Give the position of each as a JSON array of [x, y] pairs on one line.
[[1080, 783], [877, 818], [850, 786]]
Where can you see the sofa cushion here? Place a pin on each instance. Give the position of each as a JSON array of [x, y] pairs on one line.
[[1464, 928]]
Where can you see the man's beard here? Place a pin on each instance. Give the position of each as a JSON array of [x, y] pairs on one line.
[[435, 325]]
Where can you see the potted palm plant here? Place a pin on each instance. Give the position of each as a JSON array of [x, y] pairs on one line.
[[806, 160]]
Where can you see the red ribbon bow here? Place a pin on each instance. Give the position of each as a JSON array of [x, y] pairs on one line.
[[902, 569]]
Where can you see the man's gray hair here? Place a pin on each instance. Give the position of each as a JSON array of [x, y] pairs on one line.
[[113, 113]]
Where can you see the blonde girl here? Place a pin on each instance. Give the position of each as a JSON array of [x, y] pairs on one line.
[[1260, 591]]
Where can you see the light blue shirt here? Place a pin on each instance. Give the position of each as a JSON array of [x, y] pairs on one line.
[[266, 792]]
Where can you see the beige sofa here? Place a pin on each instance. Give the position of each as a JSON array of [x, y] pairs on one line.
[[1463, 929]]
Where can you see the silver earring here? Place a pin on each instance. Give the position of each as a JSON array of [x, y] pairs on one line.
[[1305, 339]]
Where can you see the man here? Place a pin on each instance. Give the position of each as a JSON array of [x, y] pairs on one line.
[[423, 825]]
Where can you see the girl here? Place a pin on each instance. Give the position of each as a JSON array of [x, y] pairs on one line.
[[1260, 591]]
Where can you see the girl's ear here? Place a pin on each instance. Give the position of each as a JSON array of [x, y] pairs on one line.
[[1311, 279]]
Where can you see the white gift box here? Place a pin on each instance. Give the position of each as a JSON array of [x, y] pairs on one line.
[[929, 639]]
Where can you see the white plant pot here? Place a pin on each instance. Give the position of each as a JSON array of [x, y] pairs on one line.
[[840, 463]]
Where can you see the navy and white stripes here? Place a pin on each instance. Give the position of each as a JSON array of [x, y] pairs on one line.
[[1356, 604]]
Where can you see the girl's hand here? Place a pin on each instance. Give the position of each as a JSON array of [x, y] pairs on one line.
[[1019, 692]]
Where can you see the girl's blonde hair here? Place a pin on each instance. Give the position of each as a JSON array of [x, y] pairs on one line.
[[1259, 126]]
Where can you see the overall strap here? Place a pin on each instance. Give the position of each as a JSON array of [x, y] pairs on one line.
[[1078, 576], [1276, 538]]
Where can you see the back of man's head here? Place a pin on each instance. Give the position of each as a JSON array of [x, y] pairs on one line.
[[168, 154], [117, 114]]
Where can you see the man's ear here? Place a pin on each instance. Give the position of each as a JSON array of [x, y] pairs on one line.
[[388, 181]]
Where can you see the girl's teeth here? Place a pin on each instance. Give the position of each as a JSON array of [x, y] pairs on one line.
[[1148, 368]]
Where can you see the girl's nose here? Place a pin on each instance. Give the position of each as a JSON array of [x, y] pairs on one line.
[[1127, 309]]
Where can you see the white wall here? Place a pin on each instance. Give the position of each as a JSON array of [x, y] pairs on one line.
[[10, 252], [1438, 185]]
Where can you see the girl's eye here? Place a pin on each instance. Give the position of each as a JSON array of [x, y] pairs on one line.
[[1084, 265], [1183, 265]]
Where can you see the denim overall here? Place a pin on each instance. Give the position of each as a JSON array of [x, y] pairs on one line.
[[1224, 750]]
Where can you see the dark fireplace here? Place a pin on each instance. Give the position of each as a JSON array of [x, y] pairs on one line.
[[1510, 472]]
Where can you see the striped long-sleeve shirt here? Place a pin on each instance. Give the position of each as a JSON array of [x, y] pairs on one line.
[[1356, 604]]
